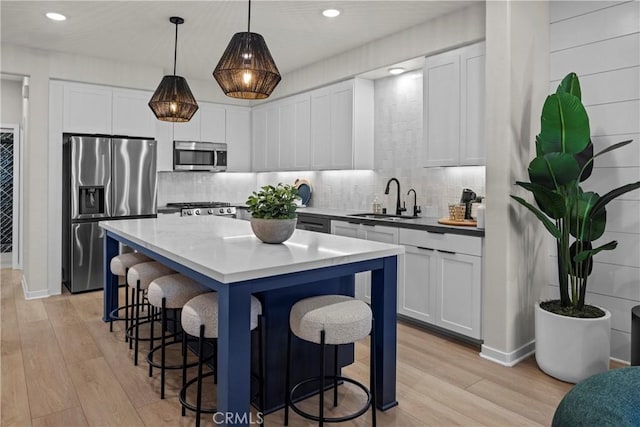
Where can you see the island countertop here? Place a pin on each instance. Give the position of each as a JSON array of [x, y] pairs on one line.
[[226, 249]]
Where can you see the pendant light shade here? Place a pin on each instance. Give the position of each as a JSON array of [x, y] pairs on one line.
[[246, 69], [173, 101]]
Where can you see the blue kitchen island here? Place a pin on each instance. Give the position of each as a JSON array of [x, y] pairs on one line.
[[224, 255]]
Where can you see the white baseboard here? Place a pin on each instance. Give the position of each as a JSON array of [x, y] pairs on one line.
[[508, 359], [32, 294]]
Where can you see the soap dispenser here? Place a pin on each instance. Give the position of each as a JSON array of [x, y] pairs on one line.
[[376, 206]]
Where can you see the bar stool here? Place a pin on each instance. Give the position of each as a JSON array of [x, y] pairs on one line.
[[330, 320], [120, 266], [169, 293], [200, 319], [139, 277]]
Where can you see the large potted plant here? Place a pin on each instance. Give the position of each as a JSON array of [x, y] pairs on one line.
[[273, 212], [572, 337]]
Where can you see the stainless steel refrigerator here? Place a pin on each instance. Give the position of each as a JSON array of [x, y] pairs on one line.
[[104, 178]]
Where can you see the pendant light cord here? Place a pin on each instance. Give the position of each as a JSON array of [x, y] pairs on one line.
[[249, 19], [175, 51]]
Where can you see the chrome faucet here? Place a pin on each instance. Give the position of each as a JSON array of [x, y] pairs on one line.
[[399, 209], [416, 208]]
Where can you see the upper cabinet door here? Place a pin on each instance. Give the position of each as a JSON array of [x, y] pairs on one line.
[[189, 131], [342, 128], [294, 133], [87, 109], [259, 139], [472, 97], [272, 148], [212, 123], [238, 130], [442, 109], [132, 115], [321, 129]]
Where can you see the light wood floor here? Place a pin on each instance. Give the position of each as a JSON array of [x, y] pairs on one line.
[[62, 367]]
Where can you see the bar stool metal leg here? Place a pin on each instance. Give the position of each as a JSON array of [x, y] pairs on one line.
[[200, 363], [184, 367], [372, 372], [287, 381], [163, 316], [322, 375], [335, 376], [135, 346]]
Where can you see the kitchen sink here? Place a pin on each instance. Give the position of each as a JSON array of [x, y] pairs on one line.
[[389, 217]]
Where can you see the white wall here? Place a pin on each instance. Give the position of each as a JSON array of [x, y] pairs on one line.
[[11, 108], [516, 86], [600, 41]]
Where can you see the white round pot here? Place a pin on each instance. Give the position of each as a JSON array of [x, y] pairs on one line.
[[273, 230], [570, 348]]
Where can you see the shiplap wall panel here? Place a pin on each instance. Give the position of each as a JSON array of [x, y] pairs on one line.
[[607, 55], [622, 217], [620, 345], [612, 86], [608, 23], [559, 10], [624, 157], [603, 180], [614, 118], [606, 279], [600, 41]]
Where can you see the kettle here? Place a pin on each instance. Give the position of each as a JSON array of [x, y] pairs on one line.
[[467, 197]]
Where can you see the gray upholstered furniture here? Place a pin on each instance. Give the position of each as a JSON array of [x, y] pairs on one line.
[[330, 320], [608, 399], [139, 277], [199, 319], [168, 293]]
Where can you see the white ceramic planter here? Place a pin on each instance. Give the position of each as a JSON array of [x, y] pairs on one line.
[[273, 230], [572, 349]]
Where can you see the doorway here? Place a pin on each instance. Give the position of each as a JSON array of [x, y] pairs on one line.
[[10, 231]]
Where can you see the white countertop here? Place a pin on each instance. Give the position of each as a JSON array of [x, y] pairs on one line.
[[227, 250]]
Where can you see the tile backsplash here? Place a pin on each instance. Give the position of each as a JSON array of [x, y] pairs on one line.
[[397, 148]]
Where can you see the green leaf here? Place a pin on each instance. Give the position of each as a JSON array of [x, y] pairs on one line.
[[580, 257], [617, 192], [550, 226], [548, 200], [570, 84], [613, 147], [585, 161], [564, 125], [584, 225], [554, 170]]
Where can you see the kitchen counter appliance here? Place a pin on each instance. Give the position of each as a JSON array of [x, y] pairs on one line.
[[199, 156], [204, 208], [468, 196], [104, 178]]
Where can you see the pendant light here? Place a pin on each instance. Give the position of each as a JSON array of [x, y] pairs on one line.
[[173, 101], [246, 69]]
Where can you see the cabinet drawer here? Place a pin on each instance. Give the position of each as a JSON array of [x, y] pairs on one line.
[[457, 243]]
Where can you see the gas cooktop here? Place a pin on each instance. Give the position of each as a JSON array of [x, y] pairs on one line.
[[204, 208]]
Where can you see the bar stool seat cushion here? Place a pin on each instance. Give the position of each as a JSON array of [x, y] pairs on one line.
[[146, 273], [119, 264], [176, 289], [343, 319], [203, 310]]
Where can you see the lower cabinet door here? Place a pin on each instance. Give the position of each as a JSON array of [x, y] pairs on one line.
[[417, 294], [459, 293]]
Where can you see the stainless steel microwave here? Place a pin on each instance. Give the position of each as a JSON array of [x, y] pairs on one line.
[[199, 156]]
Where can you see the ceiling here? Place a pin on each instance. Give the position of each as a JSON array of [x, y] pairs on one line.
[[139, 31]]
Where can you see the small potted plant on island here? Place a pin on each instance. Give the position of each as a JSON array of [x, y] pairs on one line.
[[273, 212], [572, 337]]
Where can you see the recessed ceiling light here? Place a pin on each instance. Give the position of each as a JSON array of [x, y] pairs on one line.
[[331, 13], [56, 16], [396, 70]]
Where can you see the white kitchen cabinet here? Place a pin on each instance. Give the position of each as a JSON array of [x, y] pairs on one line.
[[443, 280], [272, 141], [164, 150], [188, 131], [341, 126], [238, 136], [132, 115], [453, 108], [294, 141], [212, 122], [374, 233], [259, 138], [417, 298], [87, 109]]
